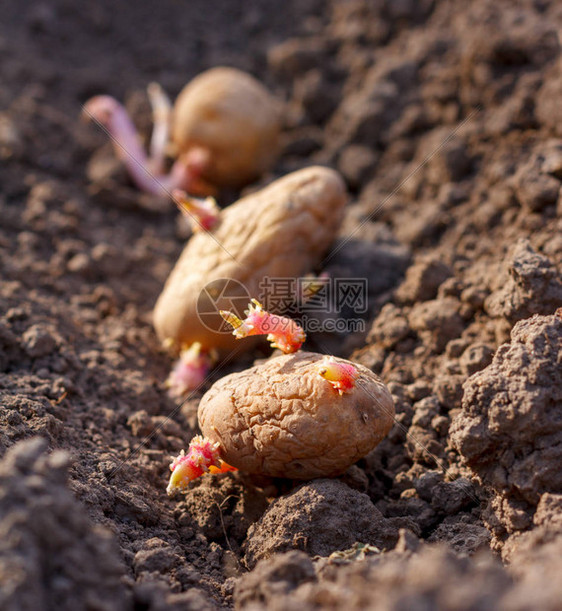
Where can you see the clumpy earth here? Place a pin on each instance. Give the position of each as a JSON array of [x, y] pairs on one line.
[[444, 118]]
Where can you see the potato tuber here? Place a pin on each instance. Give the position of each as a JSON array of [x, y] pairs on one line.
[[281, 231], [232, 117], [224, 125], [283, 418]]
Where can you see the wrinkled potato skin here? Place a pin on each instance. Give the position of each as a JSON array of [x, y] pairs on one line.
[[232, 115], [282, 419], [280, 231]]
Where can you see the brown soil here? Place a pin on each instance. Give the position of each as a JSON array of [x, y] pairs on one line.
[[445, 119]]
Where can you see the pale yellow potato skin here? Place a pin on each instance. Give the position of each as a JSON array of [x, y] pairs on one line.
[[282, 419], [233, 116], [281, 231]]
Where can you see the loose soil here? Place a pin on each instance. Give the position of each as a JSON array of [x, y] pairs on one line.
[[444, 118]]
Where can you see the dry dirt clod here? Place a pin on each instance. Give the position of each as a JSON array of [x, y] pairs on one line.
[[280, 231], [283, 419], [51, 555], [530, 284], [310, 519], [509, 429]]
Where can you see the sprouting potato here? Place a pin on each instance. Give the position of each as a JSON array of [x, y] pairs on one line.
[[283, 418], [224, 128], [281, 231], [233, 119]]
